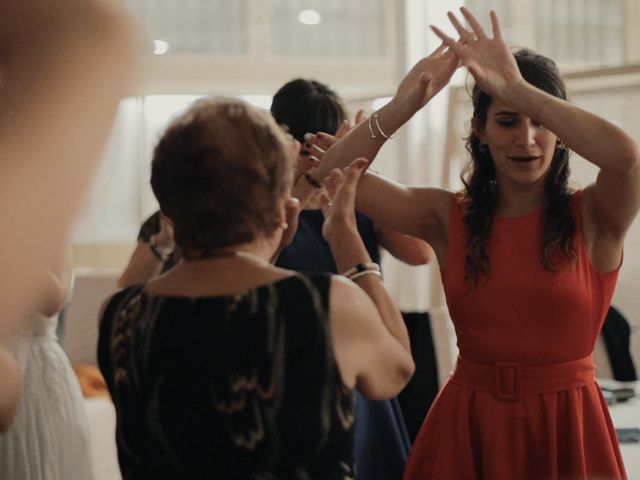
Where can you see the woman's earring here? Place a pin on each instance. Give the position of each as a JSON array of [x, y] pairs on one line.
[[284, 225], [560, 145]]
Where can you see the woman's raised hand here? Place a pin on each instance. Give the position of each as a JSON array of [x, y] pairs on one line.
[[488, 59], [426, 79], [338, 200]]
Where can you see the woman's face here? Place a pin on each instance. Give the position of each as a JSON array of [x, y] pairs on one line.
[[521, 148]]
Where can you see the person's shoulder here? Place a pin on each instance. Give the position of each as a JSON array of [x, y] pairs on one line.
[[442, 200], [344, 291], [439, 198], [578, 194]]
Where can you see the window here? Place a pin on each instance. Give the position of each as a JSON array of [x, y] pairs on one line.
[[577, 34], [197, 27]]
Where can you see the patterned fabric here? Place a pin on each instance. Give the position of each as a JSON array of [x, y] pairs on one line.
[[242, 386]]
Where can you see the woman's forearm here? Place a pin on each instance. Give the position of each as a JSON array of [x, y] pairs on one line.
[[590, 136], [427, 77], [348, 251], [361, 142]]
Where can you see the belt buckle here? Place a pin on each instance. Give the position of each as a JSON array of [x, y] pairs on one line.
[[506, 381]]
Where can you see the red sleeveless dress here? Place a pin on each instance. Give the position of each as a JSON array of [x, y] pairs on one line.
[[522, 402]]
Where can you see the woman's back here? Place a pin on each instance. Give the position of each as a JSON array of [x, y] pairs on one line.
[[240, 386]]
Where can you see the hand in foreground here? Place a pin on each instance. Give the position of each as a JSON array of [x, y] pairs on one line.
[[307, 159], [427, 78], [488, 59], [316, 144], [338, 203]]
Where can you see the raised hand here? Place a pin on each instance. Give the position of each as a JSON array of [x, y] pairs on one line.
[[338, 201], [305, 162], [427, 78], [488, 59], [316, 144]]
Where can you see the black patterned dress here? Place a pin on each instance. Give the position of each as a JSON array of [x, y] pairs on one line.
[[227, 387]]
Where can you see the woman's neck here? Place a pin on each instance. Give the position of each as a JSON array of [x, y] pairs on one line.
[[263, 246], [226, 271]]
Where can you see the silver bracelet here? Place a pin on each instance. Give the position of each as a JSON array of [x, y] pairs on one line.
[[366, 272], [375, 118], [373, 135], [362, 267]]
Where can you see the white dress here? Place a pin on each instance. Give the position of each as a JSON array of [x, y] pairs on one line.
[[49, 439]]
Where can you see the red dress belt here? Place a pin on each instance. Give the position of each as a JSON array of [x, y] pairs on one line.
[[511, 381]]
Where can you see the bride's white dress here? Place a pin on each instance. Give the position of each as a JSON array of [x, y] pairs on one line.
[[49, 439]]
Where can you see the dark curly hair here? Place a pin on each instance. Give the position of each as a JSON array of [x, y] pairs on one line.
[[218, 173], [307, 106], [482, 191]]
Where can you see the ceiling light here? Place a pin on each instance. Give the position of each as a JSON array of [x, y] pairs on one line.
[[309, 17], [160, 47]]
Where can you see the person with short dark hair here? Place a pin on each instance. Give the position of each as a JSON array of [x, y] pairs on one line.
[[227, 366], [305, 107]]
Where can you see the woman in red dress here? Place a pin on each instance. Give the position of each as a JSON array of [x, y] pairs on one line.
[[528, 265]]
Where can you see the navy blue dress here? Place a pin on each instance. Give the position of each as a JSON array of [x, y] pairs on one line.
[[381, 442]]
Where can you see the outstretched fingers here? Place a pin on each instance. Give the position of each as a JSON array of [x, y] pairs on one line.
[[321, 140], [473, 23], [354, 170], [468, 38], [465, 35], [446, 39], [495, 25]]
